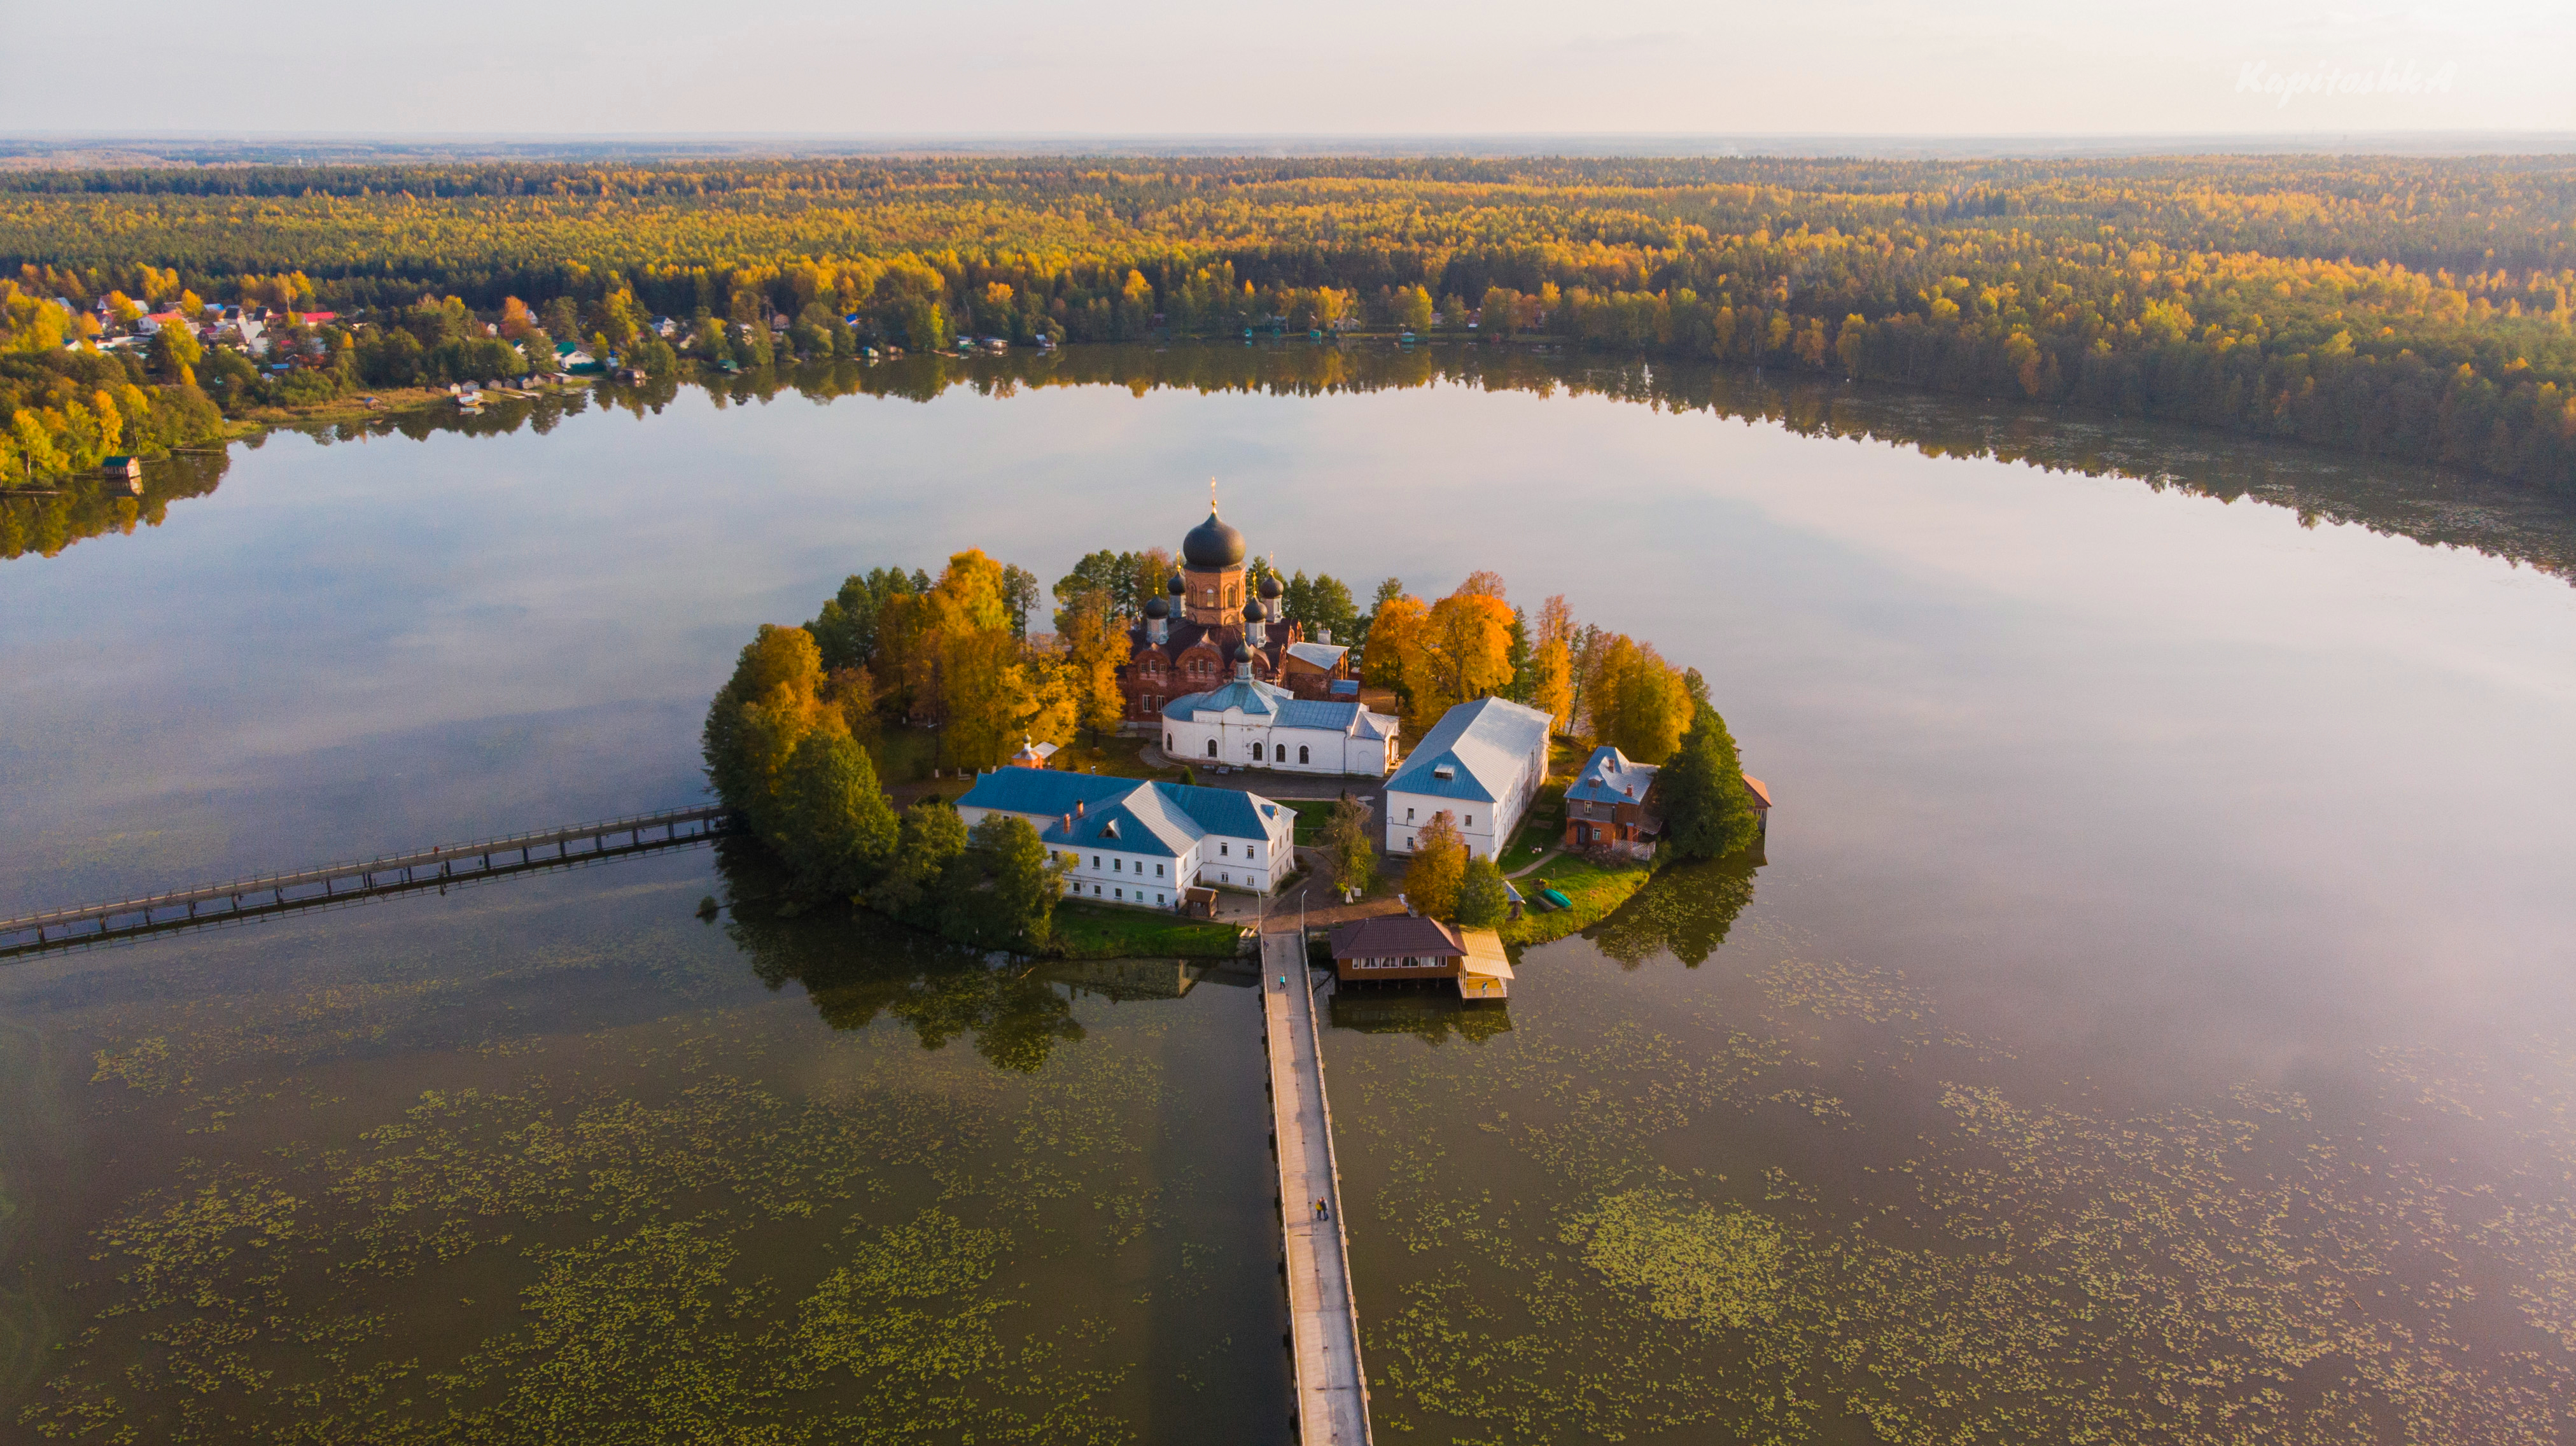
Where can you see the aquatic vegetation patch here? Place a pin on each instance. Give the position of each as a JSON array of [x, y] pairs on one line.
[[1710, 1268], [648, 1236], [1628, 1236]]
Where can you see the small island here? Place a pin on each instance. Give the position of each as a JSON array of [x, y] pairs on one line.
[[1199, 736]]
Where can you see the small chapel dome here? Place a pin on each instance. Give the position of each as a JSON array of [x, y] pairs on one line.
[[1212, 544], [1174, 585], [1270, 585], [1158, 608], [1252, 613]]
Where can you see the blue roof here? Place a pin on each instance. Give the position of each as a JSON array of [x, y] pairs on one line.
[[1481, 744], [1306, 713], [1041, 790], [1223, 810], [1123, 813], [1254, 697], [1609, 777], [1136, 824]]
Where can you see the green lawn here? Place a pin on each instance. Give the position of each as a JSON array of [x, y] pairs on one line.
[[1535, 838], [1312, 815], [1596, 889], [1097, 931]]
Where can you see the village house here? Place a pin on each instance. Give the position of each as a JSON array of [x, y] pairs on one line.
[[1192, 638], [1482, 764], [1139, 843], [1611, 808]]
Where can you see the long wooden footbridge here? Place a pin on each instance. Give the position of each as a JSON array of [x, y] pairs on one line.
[[431, 868], [1323, 1319]]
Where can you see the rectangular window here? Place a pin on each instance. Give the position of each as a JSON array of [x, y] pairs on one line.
[[1226, 849], [1095, 891], [1117, 893], [1408, 815], [1117, 866], [1252, 851], [1158, 871], [1471, 821], [1158, 898], [1095, 861]]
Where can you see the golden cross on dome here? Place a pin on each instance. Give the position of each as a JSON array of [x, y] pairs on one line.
[[1211, 494]]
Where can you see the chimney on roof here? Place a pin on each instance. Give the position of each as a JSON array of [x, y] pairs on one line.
[[1077, 808]]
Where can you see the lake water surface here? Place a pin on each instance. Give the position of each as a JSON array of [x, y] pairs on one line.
[[2152, 1017]]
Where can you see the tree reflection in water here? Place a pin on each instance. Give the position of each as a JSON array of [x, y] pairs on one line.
[[857, 966], [1684, 911]]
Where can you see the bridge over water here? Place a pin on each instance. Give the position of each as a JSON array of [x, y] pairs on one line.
[[1324, 1321], [332, 884]]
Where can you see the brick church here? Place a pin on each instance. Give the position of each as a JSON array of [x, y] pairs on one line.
[[1196, 637]]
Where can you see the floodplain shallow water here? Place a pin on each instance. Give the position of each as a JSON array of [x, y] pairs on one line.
[[2150, 1019]]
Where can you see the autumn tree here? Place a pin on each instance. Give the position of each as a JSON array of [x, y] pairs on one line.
[[1095, 645], [176, 351], [1438, 868], [1638, 702], [1460, 652], [1413, 308], [1393, 659], [755, 721]]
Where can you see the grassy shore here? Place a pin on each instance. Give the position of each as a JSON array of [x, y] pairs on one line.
[[1595, 888], [1097, 931]]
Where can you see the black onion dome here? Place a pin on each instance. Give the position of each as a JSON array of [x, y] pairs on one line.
[[1157, 608], [1252, 613], [1212, 544], [1270, 585], [1174, 585]]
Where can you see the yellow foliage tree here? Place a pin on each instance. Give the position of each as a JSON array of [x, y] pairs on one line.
[[1438, 869], [1462, 651]]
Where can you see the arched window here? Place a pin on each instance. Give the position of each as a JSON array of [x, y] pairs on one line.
[[1211, 748], [1301, 753], [1167, 743], [1256, 753]]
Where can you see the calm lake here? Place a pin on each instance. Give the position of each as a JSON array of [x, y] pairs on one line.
[[2152, 1019]]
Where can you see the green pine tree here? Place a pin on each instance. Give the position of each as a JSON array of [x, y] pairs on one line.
[[1482, 902], [1708, 812]]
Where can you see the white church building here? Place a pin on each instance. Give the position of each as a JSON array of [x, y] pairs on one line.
[[1252, 724]]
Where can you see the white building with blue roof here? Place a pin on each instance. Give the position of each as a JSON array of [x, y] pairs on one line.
[[1139, 843], [1482, 764], [1252, 724]]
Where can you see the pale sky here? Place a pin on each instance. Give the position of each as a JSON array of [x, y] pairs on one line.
[[1315, 68]]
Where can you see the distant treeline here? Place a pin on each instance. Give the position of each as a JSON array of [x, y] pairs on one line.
[[2403, 500], [2404, 308]]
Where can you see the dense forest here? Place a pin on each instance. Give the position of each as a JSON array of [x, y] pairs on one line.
[[2391, 307]]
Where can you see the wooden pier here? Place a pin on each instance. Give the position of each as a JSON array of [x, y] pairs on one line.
[[1324, 1321], [372, 878]]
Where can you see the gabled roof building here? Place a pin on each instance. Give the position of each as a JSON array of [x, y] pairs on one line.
[[1611, 806], [1482, 764], [1252, 724], [1140, 843]]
